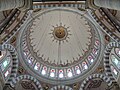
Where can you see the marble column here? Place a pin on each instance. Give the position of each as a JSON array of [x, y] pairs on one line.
[[111, 4], [11, 4]]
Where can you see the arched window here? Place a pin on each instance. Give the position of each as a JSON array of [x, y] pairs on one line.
[[52, 73], [95, 51], [84, 65], [61, 74], [37, 66], [117, 50], [115, 61], [7, 73], [5, 63], [69, 73], [97, 42], [5, 66], [90, 59], [114, 71], [30, 60], [44, 70], [77, 69]]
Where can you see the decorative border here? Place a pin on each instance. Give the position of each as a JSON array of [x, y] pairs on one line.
[[28, 77], [17, 27], [7, 19], [90, 4], [94, 37], [48, 5], [112, 18], [15, 62], [101, 76], [63, 87], [47, 78], [105, 29], [107, 52]]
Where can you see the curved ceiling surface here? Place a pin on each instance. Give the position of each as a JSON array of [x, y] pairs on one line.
[[60, 37], [59, 44]]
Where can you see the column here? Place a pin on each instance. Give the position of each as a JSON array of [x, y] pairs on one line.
[[111, 4], [11, 4]]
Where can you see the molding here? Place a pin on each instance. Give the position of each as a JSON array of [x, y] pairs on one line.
[[59, 87], [107, 52], [28, 4], [90, 5], [104, 27], [31, 78], [94, 76], [52, 81], [15, 62]]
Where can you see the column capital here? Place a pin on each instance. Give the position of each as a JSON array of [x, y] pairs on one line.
[[90, 5]]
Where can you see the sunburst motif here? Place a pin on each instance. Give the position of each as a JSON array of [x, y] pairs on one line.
[[60, 33]]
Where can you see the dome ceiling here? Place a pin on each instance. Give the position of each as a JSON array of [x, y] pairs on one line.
[[60, 44], [60, 37]]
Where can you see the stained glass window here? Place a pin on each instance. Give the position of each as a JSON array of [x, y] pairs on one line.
[[114, 70], [26, 52], [84, 65], [5, 63], [77, 69], [115, 61], [69, 73], [61, 74], [24, 43], [7, 72], [37, 66], [90, 59], [97, 43], [117, 50], [52, 73], [44, 70], [95, 51], [30, 60]]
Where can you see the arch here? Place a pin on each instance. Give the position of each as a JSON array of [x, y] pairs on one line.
[[104, 27], [14, 68], [94, 76], [38, 71], [107, 52], [23, 17], [63, 87], [115, 61], [28, 77]]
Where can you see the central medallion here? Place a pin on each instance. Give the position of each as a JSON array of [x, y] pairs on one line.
[[60, 33]]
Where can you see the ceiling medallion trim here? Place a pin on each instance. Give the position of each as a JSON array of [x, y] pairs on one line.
[[60, 33]]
